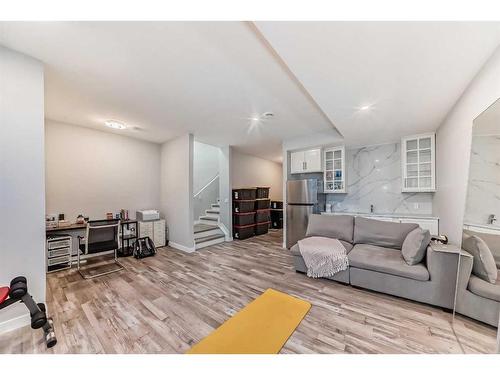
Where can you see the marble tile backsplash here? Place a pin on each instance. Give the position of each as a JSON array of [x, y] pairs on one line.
[[483, 190], [374, 178]]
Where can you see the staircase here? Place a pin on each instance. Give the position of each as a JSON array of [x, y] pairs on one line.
[[207, 231]]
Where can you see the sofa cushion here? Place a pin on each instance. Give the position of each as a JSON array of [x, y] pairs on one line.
[[483, 265], [485, 289], [332, 226], [390, 261], [415, 246], [381, 233], [295, 248], [492, 240]]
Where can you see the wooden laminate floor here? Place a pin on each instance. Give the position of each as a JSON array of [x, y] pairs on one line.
[[166, 303]]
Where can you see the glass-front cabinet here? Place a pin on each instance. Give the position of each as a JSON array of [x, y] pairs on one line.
[[334, 170], [418, 156]]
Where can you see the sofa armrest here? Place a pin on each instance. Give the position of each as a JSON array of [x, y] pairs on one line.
[[465, 270], [442, 263]]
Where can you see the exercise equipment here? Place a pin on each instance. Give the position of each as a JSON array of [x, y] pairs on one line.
[[18, 292]]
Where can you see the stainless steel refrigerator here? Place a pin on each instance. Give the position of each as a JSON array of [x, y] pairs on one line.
[[301, 197]]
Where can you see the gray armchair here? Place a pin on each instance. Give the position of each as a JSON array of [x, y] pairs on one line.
[[476, 298]]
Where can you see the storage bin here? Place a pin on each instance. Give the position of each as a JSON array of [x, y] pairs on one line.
[[262, 204], [276, 219], [244, 194], [262, 216], [261, 228], [262, 192], [244, 218], [243, 232], [277, 205], [243, 206]]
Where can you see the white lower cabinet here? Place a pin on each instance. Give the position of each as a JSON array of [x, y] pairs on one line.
[[154, 230], [432, 225], [429, 223]]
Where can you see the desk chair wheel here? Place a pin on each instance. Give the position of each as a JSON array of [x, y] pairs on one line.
[[18, 287]]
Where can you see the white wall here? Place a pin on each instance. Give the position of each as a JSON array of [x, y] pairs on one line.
[[226, 198], [248, 171], [177, 191], [93, 172], [453, 141], [205, 168], [205, 164], [22, 203]]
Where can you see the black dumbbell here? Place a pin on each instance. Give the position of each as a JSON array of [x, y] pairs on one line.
[[18, 287], [38, 319], [50, 335]]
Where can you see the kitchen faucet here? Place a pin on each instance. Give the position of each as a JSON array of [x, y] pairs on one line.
[[492, 219]]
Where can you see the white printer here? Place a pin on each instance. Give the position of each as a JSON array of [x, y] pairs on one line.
[[147, 215]]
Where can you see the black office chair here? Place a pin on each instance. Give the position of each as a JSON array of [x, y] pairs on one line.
[[101, 237]]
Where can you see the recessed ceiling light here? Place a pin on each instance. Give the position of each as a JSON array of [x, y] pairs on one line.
[[262, 117], [365, 107], [115, 124]]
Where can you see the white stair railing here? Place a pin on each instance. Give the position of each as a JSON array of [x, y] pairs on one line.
[[205, 197], [206, 186]]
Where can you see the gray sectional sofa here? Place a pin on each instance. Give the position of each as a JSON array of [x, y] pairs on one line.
[[376, 261], [476, 297]]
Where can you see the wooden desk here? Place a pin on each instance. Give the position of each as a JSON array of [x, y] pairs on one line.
[[73, 226], [73, 230]]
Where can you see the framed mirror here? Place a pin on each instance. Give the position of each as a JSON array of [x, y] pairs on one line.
[[477, 300]]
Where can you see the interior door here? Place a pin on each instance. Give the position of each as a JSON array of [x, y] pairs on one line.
[[297, 162]]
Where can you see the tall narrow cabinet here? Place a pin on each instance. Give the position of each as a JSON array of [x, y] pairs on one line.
[[155, 230], [334, 175], [418, 163]]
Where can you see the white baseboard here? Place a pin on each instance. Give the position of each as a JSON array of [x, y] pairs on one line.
[[181, 247], [14, 323], [228, 237]]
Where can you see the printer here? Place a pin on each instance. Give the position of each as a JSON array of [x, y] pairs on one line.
[[147, 215]]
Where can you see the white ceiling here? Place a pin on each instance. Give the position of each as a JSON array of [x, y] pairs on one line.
[[209, 78], [167, 78], [410, 72]]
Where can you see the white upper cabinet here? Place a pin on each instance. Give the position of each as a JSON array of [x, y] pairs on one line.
[[334, 170], [297, 162], [418, 163], [307, 161], [313, 160]]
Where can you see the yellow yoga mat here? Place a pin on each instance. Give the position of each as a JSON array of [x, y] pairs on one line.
[[261, 327]]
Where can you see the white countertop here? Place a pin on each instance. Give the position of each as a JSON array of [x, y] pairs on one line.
[[485, 226], [405, 216]]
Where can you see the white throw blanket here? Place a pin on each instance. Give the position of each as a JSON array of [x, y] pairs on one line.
[[323, 256]]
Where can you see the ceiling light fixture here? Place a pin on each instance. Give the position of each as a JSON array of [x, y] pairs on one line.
[[115, 124], [263, 117], [365, 107]]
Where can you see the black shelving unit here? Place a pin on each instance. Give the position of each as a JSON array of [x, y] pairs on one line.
[[276, 214], [127, 241]]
